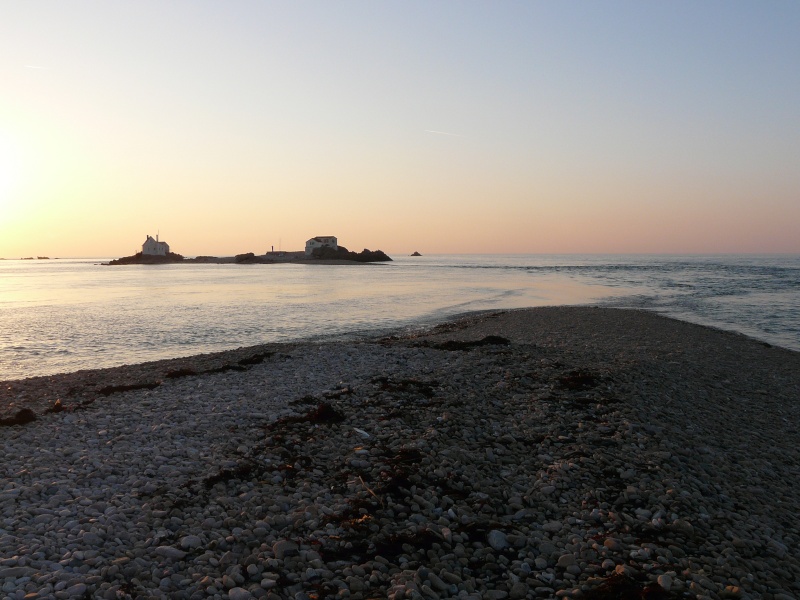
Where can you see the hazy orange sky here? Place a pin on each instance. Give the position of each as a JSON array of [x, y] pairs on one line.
[[440, 127]]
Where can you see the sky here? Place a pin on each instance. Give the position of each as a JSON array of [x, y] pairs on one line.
[[438, 127]]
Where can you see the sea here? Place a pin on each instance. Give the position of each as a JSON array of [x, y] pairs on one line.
[[64, 315]]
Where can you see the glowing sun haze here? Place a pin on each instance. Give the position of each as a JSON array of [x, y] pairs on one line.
[[439, 127]]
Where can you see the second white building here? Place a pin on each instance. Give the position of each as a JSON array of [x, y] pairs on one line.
[[322, 241]]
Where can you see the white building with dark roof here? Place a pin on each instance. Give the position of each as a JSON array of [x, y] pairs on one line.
[[153, 247], [321, 241]]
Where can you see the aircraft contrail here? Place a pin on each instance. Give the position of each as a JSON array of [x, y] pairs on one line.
[[443, 133]]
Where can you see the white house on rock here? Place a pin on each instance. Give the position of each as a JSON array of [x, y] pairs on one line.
[[321, 241], [153, 247]]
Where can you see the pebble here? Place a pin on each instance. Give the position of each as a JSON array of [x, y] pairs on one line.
[[566, 560], [170, 552], [79, 589], [497, 540], [238, 593], [190, 542], [284, 548], [13, 572], [552, 527], [518, 591], [626, 570], [665, 581], [611, 544]]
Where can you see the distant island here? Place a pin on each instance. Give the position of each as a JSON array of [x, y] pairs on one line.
[[319, 250], [416, 254], [148, 259]]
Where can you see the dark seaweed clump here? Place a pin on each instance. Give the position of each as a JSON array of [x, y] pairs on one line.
[[620, 587], [489, 340], [23, 417], [113, 389]]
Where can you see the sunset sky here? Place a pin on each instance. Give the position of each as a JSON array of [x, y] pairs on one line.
[[457, 127]]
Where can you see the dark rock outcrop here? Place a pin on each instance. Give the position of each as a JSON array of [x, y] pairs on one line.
[[147, 259], [251, 259], [416, 254], [342, 253]]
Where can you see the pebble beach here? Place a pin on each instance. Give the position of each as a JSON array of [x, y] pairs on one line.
[[567, 452]]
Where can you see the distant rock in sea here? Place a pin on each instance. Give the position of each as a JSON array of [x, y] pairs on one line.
[[249, 258], [342, 253], [147, 259], [416, 254]]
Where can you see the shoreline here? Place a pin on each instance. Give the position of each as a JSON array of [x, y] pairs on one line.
[[515, 454], [84, 383]]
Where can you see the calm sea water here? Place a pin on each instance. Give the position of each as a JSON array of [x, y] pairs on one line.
[[64, 315]]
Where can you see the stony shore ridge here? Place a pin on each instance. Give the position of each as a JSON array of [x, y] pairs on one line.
[[553, 452]]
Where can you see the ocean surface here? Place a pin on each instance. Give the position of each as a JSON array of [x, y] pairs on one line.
[[69, 314]]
